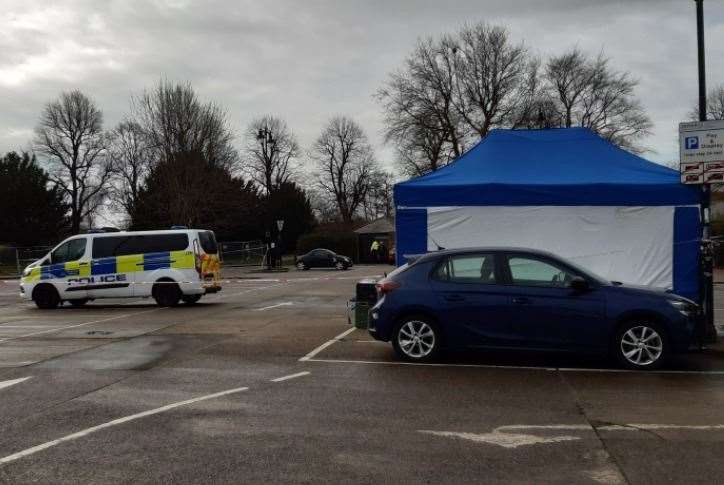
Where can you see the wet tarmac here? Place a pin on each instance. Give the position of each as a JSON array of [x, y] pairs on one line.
[[216, 393]]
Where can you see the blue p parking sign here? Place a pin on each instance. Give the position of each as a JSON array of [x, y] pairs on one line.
[[692, 142]]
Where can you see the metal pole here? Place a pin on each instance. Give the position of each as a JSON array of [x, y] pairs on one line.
[[702, 61], [707, 294]]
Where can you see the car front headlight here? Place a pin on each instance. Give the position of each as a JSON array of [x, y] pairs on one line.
[[27, 271], [686, 308]]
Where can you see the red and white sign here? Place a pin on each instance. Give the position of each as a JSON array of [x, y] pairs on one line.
[[714, 177], [689, 168], [692, 178]]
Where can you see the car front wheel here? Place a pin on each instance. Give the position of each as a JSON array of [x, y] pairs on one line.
[[641, 345], [46, 297], [301, 266], [416, 339], [166, 293]]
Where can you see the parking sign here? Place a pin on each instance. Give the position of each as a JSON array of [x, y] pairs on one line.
[[701, 151]]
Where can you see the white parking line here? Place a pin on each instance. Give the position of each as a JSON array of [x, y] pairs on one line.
[[285, 303], [327, 344], [12, 382], [512, 367], [58, 329], [291, 376], [115, 422]]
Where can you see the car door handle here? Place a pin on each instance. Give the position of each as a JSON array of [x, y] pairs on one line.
[[83, 264], [454, 298], [521, 300]]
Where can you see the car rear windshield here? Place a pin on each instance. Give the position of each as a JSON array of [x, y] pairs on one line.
[[208, 242], [105, 247]]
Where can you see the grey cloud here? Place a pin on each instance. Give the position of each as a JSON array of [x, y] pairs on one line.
[[309, 60]]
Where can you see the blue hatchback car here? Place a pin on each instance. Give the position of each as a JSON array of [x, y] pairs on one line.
[[507, 298]]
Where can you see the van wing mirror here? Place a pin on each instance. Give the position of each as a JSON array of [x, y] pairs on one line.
[[579, 284]]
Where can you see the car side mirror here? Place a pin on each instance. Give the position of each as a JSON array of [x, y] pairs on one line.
[[579, 284]]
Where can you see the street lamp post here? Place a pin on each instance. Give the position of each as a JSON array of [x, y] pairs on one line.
[[707, 290], [266, 140]]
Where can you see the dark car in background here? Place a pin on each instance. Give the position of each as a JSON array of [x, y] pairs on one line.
[[502, 298], [323, 258]]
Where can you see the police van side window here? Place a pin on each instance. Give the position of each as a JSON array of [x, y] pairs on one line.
[[159, 243], [106, 247], [71, 250]]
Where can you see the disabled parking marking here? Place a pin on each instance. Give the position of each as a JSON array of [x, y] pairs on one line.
[[327, 344], [505, 440], [115, 422], [510, 436], [291, 376], [12, 382]]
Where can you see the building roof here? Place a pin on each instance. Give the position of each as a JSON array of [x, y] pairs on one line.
[[383, 225]]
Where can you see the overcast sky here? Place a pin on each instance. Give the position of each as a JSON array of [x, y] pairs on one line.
[[307, 60]]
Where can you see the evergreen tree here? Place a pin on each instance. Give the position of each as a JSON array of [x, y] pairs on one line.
[[289, 203], [33, 212], [186, 189]]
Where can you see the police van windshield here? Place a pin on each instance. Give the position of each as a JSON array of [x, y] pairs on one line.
[[208, 242]]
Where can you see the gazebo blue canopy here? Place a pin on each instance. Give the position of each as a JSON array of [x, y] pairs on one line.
[[571, 169]]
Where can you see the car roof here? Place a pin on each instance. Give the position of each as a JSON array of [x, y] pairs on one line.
[[483, 249]]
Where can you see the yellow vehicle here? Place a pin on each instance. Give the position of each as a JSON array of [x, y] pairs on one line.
[[170, 266]]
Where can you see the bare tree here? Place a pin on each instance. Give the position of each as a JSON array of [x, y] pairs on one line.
[[491, 76], [378, 202], [131, 155], [176, 121], [714, 105], [345, 164], [451, 92], [70, 134], [421, 117], [271, 152], [589, 93]]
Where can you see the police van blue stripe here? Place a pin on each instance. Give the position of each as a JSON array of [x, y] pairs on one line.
[[152, 261], [103, 266]]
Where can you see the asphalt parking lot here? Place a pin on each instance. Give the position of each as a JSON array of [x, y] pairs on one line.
[[265, 382]]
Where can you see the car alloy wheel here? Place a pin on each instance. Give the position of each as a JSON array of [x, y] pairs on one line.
[[416, 339], [339, 265], [641, 346], [300, 265]]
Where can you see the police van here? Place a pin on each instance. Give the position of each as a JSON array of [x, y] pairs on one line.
[[170, 266]]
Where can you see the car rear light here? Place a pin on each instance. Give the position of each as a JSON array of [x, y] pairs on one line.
[[386, 286]]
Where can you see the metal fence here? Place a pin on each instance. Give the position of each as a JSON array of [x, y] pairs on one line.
[[242, 253], [13, 260], [233, 253]]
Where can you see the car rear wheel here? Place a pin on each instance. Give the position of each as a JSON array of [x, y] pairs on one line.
[[46, 297], [641, 345], [416, 339], [191, 299], [166, 293]]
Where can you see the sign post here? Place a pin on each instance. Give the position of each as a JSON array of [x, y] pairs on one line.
[[701, 153]]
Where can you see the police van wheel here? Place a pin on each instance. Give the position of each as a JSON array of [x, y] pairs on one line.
[[78, 303], [191, 299], [46, 297], [166, 294]]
